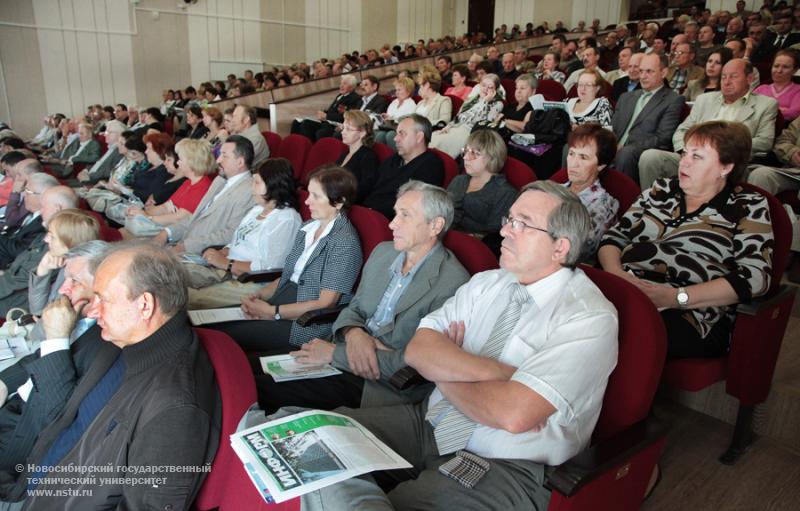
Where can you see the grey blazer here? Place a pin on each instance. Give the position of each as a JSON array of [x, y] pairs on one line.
[[215, 224], [435, 281], [103, 171], [655, 124], [14, 281], [758, 114]]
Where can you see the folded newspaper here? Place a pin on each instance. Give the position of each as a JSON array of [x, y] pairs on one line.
[[301, 453], [286, 368], [205, 316]]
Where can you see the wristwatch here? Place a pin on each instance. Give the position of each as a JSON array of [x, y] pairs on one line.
[[277, 316], [682, 298], [230, 266]]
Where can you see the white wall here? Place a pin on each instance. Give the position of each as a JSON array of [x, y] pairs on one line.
[[419, 19], [85, 52], [333, 27], [607, 11]]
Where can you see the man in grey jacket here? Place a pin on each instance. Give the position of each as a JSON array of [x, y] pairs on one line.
[[222, 207], [402, 281]]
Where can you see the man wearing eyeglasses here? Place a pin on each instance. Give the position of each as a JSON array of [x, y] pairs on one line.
[[682, 69], [520, 357], [15, 241]]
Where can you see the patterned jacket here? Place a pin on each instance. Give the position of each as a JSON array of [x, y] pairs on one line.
[[729, 238], [334, 265]]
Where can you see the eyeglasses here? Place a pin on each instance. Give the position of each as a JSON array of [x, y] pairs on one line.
[[518, 225], [472, 153]]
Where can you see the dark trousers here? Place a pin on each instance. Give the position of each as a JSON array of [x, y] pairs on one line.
[[264, 336], [684, 341], [321, 393], [313, 130]]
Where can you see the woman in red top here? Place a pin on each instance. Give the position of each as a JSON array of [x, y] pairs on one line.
[[196, 163]]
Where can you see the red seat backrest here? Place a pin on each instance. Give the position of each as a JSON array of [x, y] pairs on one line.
[[551, 90], [383, 151], [472, 253], [237, 390], [518, 174], [620, 186], [642, 351], [305, 213], [372, 227], [107, 233], [273, 141], [450, 166], [782, 232], [324, 151], [295, 148], [457, 104], [510, 86]]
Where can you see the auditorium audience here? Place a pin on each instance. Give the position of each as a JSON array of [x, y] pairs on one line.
[[402, 105], [360, 157], [319, 271], [459, 89], [786, 92], [650, 247], [245, 123], [484, 106], [590, 106], [102, 168], [369, 337], [591, 151], [712, 79], [412, 161], [550, 71], [261, 241], [481, 196], [222, 208]]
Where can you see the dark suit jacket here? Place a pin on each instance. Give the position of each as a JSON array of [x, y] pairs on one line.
[[14, 243], [55, 377], [364, 165], [335, 112], [14, 280], [767, 48], [103, 171], [655, 124], [378, 104], [621, 87]]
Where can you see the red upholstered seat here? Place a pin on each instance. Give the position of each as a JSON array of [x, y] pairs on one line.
[[620, 186], [471, 252], [273, 141], [551, 90], [372, 227], [518, 174], [755, 343], [383, 151], [295, 148], [305, 213], [325, 150], [227, 481], [107, 233], [510, 86], [625, 446], [457, 104], [450, 166]]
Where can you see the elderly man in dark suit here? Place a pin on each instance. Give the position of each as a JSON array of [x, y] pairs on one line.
[[14, 241], [646, 118], [324, 124], [42, 382], [371, 100], [402, 281]]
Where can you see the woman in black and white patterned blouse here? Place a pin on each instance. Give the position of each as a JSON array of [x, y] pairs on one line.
[[697, 244]]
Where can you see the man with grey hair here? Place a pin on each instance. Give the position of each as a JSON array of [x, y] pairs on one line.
[[15, 211], [102, 168], [326, 121], [245, 123], [520, 357], [148, 400], [412, 161], [14, 241], [40, 383], [14, 280], [402, 281]]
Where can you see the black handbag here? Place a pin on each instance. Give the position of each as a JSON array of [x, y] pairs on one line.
[[551, 126]]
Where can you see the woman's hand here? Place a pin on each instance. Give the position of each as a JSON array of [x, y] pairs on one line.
[[316, 351], [48, 263], [256, 308], [215, 258], [662, 295], [134, 211]]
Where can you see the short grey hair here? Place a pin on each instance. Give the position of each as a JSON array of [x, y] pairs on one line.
[[421, 124], [569, 219], [39, 182], [530, 79], [157, 271], [95, 251], [351, 80], [436, 202], [115, 126]]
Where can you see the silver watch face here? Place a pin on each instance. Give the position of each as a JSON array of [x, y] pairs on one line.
[[277, 317], [683, 298]]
